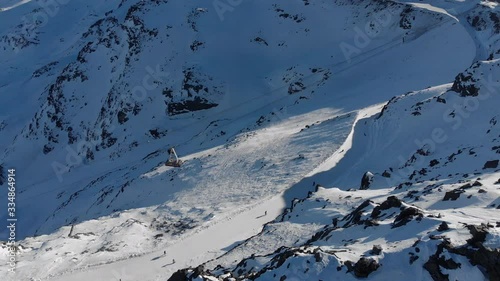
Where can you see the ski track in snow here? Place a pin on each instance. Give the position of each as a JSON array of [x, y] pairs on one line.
[[11, 4]]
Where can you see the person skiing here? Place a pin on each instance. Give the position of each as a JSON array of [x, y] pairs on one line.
[[265, 213], [173, 260]]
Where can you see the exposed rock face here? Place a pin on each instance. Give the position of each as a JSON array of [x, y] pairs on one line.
[[196, 104], [493, 164], [355, 216], [455, 193], [180, 275], [464, 85], [436, 261], [363, 267], [391, 202], [376, 250], [366, 180], [196, 92], [189, 274], [474, 250], [406, 216], [443, 227]]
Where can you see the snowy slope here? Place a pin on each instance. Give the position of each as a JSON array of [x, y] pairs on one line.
[[260, 112], [430, 211]]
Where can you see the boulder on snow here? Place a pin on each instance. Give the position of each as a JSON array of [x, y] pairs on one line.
[[180, 275], [455, 193], [406, 216], [478, 233], [391, 202], [386, 174], [366, 180], [363, 267], [493, 164], [443, 227], [376, 250]]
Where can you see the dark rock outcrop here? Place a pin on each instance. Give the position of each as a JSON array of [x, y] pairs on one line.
[[464, 87], [391, 202], [406, 216], [443, 227], [376, 250], [479, 255], [366, 180], [493, 164], [363, 267]]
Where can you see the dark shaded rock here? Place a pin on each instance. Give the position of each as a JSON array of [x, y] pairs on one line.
[[452, 195], [386, 174], [317, 255], [478, 232], [156, 133], [366, 180], [487, 258], [443, 227], [196, 104], [391, 202], [355, 216], [180, 275], [413, 258], [479, 255], [376, 250], [448, 263], [441, 100], [464, 87], [406, 216], [296, 87], [477, 183], [195, 45], [122, 117], [433, 163], [493, 164], [455, 193], [405, 21], [436, 261], [47, 149], [363, 267], [260, 40]]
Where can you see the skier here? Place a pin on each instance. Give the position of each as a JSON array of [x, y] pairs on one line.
[[173, 260], [164, 252], [265, 213]]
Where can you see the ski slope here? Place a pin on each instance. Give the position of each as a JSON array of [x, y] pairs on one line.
[[214, 239], [197, 248], [257, 150]]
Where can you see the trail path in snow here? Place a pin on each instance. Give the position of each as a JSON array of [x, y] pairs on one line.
[[193, 250]]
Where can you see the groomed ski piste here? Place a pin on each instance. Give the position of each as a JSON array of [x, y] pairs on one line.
[[249, 158]]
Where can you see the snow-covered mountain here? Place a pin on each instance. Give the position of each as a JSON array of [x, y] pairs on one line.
[[322, 140]]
